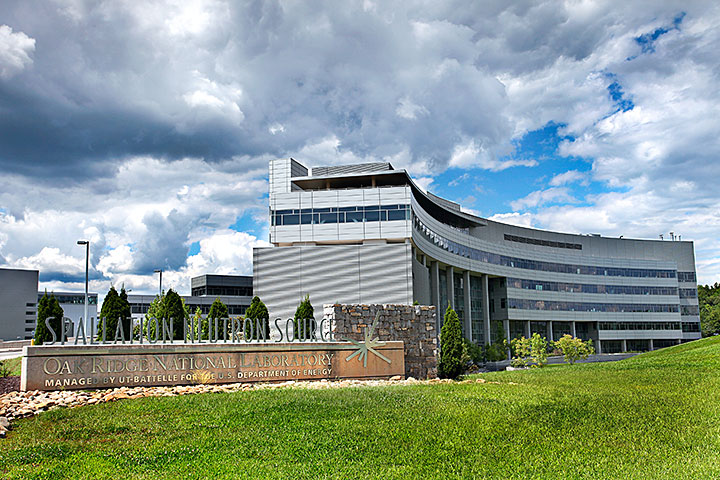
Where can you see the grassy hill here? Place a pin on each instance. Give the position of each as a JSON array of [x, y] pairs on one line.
[[656, 415]]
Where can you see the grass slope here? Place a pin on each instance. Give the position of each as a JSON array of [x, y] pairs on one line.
[[13, 365], [656, 415]]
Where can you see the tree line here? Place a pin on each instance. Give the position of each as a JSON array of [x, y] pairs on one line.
[[709, 301]]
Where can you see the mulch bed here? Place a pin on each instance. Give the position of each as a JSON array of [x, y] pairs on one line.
[[9, 384]]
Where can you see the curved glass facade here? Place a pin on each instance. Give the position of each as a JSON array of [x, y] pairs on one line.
[[589, 288], [525, 304], [524, 263]]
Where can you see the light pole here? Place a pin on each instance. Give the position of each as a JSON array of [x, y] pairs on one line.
[[160, 272], [87, 265]]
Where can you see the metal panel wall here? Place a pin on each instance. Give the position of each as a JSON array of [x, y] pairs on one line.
[[332, 273]]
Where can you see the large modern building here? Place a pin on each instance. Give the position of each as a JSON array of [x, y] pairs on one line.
[[18, 303], [368, 234], [235, 291]]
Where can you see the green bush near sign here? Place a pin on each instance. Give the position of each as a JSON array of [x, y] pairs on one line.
[[453, 353], [48, 307], [303, 313]]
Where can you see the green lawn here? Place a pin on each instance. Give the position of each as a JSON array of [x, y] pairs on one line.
[[656, 415], [13, 365]]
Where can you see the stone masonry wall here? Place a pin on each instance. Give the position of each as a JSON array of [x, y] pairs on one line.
[[412, 324]]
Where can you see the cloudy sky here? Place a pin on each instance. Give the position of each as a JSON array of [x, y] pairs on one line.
[[146, 127]]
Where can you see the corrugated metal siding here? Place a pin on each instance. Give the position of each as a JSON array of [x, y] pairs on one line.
[[332, 273]]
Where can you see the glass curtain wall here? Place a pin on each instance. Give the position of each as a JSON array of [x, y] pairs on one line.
[[476, 311]]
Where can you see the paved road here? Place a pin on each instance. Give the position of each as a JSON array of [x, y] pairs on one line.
[[11, 353]]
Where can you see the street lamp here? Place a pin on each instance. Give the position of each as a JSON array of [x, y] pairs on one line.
[[160, 272], [87, 264]]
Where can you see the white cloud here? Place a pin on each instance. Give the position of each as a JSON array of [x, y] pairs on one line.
[[16, 49], [472, 155], [571, 176], [542, 197], [514, 218]]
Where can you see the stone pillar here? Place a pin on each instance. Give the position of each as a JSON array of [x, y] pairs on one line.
[[466, 298], [598, 346], [450, 271], [486, 308], [624, 345], [550, 331], [652, 346], [574, 332]]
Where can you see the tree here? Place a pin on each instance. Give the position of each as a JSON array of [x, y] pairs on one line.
[[258, 311], [521, 351], [115, 307], [498, 350], [175, 309], [538, 350], [156, 310], [452, 353], [48, 307], [218, 311], [304, 312], [199, 326], [574, 349], [709, 302], [710, 320]]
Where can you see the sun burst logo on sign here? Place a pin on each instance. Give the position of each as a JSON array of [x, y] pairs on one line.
[[369, 345]]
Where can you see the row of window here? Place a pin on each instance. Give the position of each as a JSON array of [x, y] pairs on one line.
[[73, 299], [525, 304], [689, 310], [544, 243], [685, 326], [686, 277], [222, 291], [589, 288], [638, 325], [319, 216], [496, 259], [688, 292]]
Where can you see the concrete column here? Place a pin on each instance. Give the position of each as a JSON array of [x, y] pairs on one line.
[[449, 271], [574, 332], [506, 327], [652, 346], [486, 308], [624, 345], [435, 293], [598, 347], [550, 331], [527, 328], [466, 298]]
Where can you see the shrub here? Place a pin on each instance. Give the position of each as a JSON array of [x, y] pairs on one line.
[[538, 350], [4, 370], [574, 349], [304, 312], [497, 351], [218, 311], [452, 364], [115, 308], [521, 352], [175, 308], [48, 307], [474, 351], [258, 311]]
